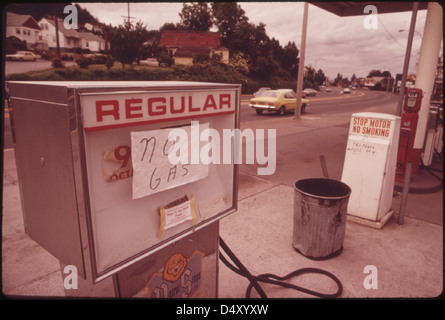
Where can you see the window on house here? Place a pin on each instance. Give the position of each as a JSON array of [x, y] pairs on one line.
[[17, 30]]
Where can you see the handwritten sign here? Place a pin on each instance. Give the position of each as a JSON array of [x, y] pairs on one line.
[[361, 147], [152, 169]]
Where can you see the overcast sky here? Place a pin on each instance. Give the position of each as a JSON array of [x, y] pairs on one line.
[[334, 44]]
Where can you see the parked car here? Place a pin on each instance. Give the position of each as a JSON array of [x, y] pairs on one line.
[[279, 101], [310, 92], [261, 90], [328, 89], [150, 62], [346, 90], [22, 56]]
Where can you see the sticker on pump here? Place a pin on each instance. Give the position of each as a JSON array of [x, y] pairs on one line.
[[181, 278], [166, 158], [177, 212], [116, 164]]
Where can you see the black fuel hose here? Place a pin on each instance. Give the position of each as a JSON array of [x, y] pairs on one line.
[[240, 269]]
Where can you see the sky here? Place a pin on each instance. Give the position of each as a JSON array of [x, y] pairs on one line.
[[334, 44]]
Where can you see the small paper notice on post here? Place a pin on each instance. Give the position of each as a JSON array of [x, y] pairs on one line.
[[166, 158], [176, 213]]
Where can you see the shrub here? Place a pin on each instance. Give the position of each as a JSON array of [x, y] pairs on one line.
[[83, 61], [109, 61], [67, 57], [165, 60], [57, 63], [201, 58], [99, 59]]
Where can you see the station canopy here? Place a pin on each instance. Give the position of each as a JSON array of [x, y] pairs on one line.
[[348, 9]]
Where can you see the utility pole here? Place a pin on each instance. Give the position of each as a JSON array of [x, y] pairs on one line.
[[128, 15], [297, 115], [56, 24]]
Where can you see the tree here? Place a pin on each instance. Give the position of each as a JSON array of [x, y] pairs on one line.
[[239, 63], [263, 65], [386, 73], [338, 79], [196, 16], [170, 26], [319, 77], [227, 17], [126, 42], [374, 73], [289, 60]]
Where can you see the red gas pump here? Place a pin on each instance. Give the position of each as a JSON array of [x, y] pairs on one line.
[[411, 107]]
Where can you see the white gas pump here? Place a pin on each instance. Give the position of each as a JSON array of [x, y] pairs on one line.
[[370, 166]]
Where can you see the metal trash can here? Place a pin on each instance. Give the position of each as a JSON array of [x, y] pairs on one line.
[[320, 209]]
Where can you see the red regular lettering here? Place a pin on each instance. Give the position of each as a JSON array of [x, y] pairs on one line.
[[158, 106], [160, 109], [101, 111], [130, 108], [224, 100]]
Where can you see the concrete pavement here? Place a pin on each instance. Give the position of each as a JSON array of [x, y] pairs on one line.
[[408, 257]]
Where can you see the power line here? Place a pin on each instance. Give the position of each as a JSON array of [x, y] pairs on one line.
[[389, 33]]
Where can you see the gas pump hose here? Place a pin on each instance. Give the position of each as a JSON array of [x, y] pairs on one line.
[[240, 269]]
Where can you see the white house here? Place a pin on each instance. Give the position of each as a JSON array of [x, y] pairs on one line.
[[68, 38], [25, 28], [91, 41]]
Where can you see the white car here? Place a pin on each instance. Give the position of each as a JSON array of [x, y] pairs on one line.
[[310, 92], [150, 62], [346, 90], [22, 56]]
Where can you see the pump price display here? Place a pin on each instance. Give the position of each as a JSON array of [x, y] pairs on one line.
[[162, 159]]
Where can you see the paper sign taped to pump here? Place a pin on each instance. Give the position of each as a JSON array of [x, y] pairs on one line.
[[166, 158]]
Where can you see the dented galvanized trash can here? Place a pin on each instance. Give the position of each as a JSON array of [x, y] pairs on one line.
[[320, 209]]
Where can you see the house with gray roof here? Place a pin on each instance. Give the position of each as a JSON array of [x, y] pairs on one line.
[[69, 39]]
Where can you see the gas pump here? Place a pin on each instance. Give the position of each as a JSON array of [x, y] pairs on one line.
[[411, 107], [100, 190]]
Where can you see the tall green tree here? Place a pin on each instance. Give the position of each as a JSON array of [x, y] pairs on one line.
[[289, 59], [196, 16], [319, 77], [126, 42], [227, 18]]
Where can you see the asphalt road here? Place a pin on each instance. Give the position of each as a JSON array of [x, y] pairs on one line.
[[328, 103], [322, 105]]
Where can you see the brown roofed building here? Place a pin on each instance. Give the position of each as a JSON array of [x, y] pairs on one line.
[[183, 45]]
